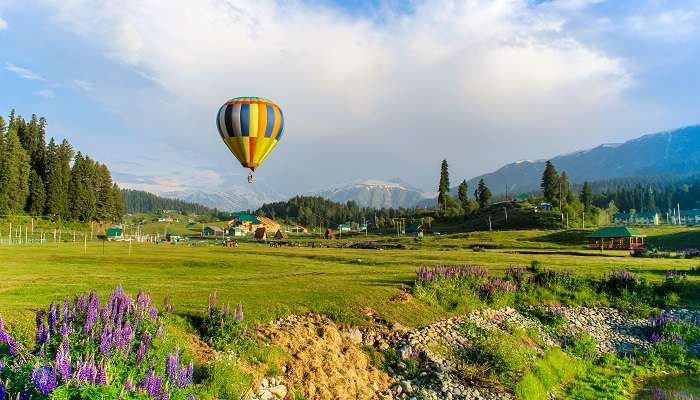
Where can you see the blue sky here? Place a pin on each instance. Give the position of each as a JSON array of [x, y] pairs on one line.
[[370, 89]]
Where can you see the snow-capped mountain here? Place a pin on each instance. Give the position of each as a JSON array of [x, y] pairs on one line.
[[375, 193], [236, 199]]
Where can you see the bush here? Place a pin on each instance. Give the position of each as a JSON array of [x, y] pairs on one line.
[[581, 345], [503, 356], [223, 328]]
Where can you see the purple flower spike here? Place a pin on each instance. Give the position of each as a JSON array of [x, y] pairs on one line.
[[44, 380], [655, 337], [239, 312]]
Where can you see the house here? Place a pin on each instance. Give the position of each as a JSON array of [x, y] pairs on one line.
[[544, 206], [521, 197], [636, 218], [345, 227], [416, 230], [687, 217], [616, 238], [114, 233], [280, 234], [296, 229], [212, 231], [236, 231], [172, 238], [329, 234], [268, 224], [247, 222], [261, 234], [165, 219]]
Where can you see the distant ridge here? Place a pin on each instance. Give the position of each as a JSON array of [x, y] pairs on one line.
[[375, 193], [674, 152]]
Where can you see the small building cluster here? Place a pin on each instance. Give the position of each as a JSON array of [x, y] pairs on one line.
[[648, 218]]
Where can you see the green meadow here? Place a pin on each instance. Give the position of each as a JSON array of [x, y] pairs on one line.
[[270, 282]]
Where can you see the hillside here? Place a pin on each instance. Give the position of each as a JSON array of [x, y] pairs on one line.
[[375, 194], [139, 201], [675, 152]]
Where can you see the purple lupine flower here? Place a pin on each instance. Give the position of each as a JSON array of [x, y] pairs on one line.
[[7, 339], [245, 332], [678, 339], [152, 384], [153, 313], [65, 317], [53, 318], [655, 337], [128, 384], [44, 380], [190, 397], [167, 306], [159, 331], [141, 353], [38, 317], [42, 334], [172, 363], [2, 365], [65, 330], [3, 391], [93, 311], [190, 372], [101, 375], [105, 341], [212, 302], [239, 312], [165, 395]]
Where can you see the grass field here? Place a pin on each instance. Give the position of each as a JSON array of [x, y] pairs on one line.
[[271, 282]]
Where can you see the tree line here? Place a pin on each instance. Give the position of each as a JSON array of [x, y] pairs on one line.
[[138, 201], [462, 205], [51, 179], [314, 211]]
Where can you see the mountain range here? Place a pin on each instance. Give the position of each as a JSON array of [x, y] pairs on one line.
[[671, 153], [374, 193], [675, 152]]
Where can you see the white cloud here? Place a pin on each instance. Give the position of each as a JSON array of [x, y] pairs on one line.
[[45, 93], [23, 72], [84, 85], [672, 24], [3, 24], [472, 74]]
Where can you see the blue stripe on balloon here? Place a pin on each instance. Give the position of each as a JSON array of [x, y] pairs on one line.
[[279, 135], [245, 119], [270, 120]]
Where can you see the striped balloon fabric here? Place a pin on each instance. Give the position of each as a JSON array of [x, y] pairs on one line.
[[251, 127]]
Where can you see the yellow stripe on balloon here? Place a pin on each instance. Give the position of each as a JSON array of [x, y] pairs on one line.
[[253, 120], [233, 145], [261, 148]]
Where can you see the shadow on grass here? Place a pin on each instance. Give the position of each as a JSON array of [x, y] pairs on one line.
[[675, 241], [573, 237]]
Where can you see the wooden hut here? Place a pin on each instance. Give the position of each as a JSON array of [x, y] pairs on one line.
[[261, 234], [329, 234], [280, 234], [616, 238]]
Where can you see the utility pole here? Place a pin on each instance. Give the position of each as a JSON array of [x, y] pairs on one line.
[[489, 223], [583, 220], [505, 210]]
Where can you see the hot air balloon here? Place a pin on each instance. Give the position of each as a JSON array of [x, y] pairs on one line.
[[251, 127]]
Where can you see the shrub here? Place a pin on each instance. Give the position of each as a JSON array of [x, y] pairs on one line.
[[87, 350], [548, 316], [221, 327], [580, 344]]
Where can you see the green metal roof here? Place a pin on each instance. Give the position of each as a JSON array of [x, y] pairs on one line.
[[114, 231], [245, 217], [615, 231]]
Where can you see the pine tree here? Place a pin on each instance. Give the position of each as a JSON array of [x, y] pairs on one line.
[[550, 182], [37, 195], [463, 195], [586, 196], [104, 193], [81, 193], [57, 178], [14, 174], [444, 187], [482, 194]]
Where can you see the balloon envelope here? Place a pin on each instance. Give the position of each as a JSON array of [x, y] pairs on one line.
[[251, 127]]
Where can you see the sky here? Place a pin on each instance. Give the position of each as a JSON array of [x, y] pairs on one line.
[[370, 89]]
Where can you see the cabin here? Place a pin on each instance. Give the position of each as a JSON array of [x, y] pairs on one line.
[[236, 231], [114, 233], [212, 231], [261, 234], [172, 238], [247, 222], [297, 229], [416, 230], [280, 234], [616, 238], [636, 218], [329, 234], [544, 206], [345, 227]]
